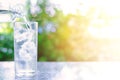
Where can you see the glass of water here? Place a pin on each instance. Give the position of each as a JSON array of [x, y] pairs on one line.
[[25, 49]]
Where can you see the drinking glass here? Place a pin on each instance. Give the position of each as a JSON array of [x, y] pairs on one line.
[[25, 49]]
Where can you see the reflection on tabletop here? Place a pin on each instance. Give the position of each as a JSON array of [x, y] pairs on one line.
[[67, 71]]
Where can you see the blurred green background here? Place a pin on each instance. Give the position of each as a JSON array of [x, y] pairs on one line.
[[61, 36], [57, 36]]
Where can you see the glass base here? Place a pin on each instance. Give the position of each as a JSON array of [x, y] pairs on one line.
[[25, 75], [26, 78]]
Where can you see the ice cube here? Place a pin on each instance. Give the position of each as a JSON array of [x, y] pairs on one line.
[[20, 37], [24, 54], [23, 36], [29, 35], [28, 45]]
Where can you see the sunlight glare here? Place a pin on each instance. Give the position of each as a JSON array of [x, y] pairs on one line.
[[112, 29], [103, 27]]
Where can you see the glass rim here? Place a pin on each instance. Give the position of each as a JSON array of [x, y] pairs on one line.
[[18, 22], [29, 22], [25, 22]]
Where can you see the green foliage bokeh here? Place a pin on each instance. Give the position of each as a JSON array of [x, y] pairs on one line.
[[53, 43], [6, 42], [52, 46]]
